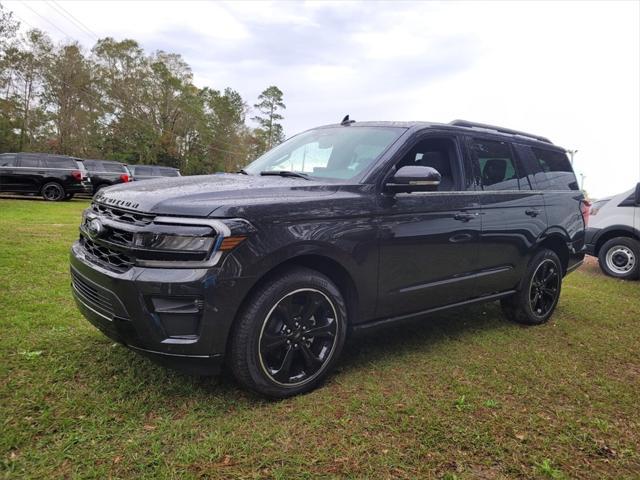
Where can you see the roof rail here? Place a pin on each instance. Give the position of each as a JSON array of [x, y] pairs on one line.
[[466, 123]]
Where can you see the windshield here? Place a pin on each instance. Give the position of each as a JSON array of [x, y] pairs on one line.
[[338, 152]]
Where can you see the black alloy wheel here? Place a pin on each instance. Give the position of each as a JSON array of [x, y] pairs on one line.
[[537, 296], [289, 334], [544, 288], [298, 337], [53, 192]]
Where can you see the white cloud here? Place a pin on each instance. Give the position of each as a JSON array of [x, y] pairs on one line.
[[566, 70]]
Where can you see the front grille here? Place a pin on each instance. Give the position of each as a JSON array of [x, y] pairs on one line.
[[125, 216], [119, 237], [106, 256], [91, 294]]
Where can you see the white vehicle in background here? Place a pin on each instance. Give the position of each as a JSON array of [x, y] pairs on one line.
[[613, 234]]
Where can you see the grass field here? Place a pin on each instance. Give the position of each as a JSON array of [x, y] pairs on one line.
[[455, 396]]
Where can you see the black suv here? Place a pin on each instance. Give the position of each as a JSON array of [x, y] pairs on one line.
[[55, 177], [341, 228], [105, 173], [146, 172]]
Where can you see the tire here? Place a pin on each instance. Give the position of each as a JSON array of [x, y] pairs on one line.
[[536, 298], [52, 192], [620, 258], [273, 351]]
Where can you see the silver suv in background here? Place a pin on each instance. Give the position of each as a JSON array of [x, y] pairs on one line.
[[614, 234]]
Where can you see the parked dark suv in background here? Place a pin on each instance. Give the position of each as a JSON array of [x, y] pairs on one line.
[[55, 177], [340, 228], [105, 173], [145, 172]]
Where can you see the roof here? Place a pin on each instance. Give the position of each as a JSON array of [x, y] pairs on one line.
[[459, 125]]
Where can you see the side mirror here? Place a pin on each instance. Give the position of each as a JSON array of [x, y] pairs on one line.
[[414, 178], [638, 194]]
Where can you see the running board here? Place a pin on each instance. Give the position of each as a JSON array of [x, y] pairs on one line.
[[389, 321]]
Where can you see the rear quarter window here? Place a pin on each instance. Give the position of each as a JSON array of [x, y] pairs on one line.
[[556, 171], [113, 167], [7, 160], [143, 170], [60, 162], [165, 172]]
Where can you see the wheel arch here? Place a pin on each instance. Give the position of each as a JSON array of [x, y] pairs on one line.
[[613, 232], [320, 262], [558, 244]]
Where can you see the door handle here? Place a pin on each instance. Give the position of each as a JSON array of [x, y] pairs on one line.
[[532, 212], [465, 217]]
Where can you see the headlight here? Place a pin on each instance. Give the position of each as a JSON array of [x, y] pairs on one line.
[[186, 242], [160, 241]]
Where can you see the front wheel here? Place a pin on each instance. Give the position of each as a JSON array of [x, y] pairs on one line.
[[53, 192], [290, 334], [620, 258], [539, 291]]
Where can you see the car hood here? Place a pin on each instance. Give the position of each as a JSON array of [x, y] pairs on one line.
[[200, 195]]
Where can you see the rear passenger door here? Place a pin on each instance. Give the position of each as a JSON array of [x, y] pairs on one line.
[[513, 213], [31, 172]]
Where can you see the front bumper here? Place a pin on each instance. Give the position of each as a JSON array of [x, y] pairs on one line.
[[178, 317]]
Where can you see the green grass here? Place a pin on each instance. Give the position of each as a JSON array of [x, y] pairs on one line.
[[463, 395]]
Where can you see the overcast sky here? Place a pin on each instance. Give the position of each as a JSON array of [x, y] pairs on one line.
[[568, 71]]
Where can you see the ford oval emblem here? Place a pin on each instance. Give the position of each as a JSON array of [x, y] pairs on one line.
[[95, 228]]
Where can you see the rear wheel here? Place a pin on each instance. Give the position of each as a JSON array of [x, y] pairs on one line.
[[290, 334], [620, 258], [53, 192], [539, 291]]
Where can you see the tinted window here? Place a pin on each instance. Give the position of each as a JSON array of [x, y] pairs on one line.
[[438, 153], [92, 165], [165, 172], [143, 171], [113, 167], [497, 166], [557, 173], [7, 160], [60, 162], [30, 161]]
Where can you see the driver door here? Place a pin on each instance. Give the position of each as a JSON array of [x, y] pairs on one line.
[[429, 241]]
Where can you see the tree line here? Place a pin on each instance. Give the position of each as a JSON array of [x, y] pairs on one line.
[[119, 102]]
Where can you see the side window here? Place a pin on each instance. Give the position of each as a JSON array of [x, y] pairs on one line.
[[59, 162], [144, 171], [7, 160], [438, 153], [113, 167], [30, 161], [557, 173], [497, 166]]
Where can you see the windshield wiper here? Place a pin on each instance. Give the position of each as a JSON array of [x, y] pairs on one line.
[[285, 173], [243, 171]]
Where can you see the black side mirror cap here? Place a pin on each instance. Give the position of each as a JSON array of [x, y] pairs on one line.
[[414, 178]]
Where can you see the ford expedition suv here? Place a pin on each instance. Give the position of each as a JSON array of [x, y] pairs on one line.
[[341, 228], [55, 177], [105, 173]]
